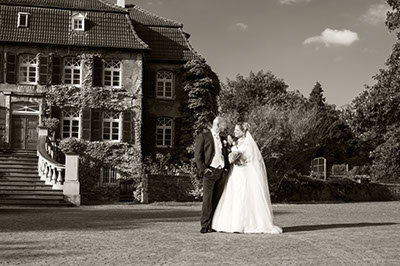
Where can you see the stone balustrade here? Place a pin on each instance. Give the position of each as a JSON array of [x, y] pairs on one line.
[[60, 176]]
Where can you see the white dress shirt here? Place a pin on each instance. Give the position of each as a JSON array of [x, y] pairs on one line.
[[218, 161]]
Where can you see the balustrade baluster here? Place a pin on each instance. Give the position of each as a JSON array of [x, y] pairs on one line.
[[60, 178]]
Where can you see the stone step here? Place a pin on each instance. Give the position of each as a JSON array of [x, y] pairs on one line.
[[30, 202], [22, 182], [24, 187], [4, 172], [18, 155], [6, 162], [31, 192], [9, 167], [19, 174], [19, 178], [32, 196]]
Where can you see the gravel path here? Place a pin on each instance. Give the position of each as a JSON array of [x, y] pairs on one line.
[[168, 234]]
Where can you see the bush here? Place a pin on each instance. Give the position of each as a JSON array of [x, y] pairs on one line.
[[296, 188], [162, 166], [93, 155]]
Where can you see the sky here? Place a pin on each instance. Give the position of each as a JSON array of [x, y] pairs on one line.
[[341, 44]]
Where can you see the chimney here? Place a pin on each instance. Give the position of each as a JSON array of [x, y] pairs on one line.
[[121, 3]]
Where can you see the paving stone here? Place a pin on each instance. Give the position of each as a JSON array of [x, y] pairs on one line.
[[168, 234]]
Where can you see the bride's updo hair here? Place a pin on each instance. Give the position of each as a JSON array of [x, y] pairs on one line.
[[244, 126]]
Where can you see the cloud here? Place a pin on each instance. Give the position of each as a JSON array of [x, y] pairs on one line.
[[239, 26], [291, 2], [376, 14], [331, 37]]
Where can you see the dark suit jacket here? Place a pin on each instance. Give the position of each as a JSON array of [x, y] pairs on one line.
[[204, 152]]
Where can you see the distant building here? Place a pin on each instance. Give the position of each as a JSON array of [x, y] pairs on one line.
[[57, 44]]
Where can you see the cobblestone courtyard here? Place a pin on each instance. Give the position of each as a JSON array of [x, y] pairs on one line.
[[168, 234]]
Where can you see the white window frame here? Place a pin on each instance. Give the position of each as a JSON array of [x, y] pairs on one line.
[[30, 63], [20, 15], [164, 124], [111, 117], [163, 78], [108, 175], [113, 66], [67, 115], [80, 19], [74, 68]]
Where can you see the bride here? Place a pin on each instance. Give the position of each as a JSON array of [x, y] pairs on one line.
[[245, 205]]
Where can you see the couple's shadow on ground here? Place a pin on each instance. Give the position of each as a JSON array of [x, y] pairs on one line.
[[302, 228]]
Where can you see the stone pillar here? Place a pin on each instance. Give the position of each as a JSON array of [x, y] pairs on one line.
[[43, 131], [7, 135], [71, 188], [145, 185]]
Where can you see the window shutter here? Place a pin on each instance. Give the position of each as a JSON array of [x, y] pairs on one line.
[[56, 113], [11, 68], [149, 135], [56, 70], [44, 70], [1, 68], [3, 112], [97, 72], [96, 125], [178, 131], [86, 115], [128, 127], [149, 86]]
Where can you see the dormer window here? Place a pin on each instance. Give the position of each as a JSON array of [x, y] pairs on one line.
[[23, 19], [78, 22]]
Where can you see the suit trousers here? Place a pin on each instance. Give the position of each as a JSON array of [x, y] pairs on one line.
[[213, 186]]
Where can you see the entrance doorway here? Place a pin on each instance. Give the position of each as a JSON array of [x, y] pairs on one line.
[[25, 134], [25, 120]]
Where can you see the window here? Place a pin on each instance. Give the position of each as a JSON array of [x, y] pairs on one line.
[[111, 126], [23, 19], [112, 73], [27, 69], [164, 132], [72, 71], [164, 84], [108, 175], [70, 120], [78, 22]]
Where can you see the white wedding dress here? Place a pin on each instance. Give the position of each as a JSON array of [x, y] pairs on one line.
[[245, 205]]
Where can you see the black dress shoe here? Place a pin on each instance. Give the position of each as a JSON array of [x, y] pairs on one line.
[[211, 230], [204, 230]]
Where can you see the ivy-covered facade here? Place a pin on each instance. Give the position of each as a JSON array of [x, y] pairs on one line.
[[90, 70]]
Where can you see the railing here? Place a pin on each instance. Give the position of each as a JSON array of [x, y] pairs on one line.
[[64, 177], [49, 169]]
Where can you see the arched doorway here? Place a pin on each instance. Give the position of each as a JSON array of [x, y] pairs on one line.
[[25, 120]]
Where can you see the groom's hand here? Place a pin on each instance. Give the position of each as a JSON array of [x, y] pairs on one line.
[[208, 170]]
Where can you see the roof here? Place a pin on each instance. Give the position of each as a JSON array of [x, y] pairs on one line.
[[144, 17], [98, 5], [49, 23], [166, 37]]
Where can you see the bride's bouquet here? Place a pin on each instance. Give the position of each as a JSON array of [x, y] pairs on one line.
[[237, 157]]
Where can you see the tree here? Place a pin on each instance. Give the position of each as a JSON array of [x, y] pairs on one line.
[[316, 96], [374, 114], [288, 138], [242, 95], [199, 106]]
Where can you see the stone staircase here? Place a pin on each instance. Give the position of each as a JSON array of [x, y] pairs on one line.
[[20, 183]]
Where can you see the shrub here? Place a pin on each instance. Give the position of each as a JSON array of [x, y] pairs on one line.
[[123, 157]]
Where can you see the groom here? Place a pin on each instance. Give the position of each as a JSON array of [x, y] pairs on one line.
[[212, 162]]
